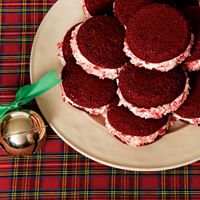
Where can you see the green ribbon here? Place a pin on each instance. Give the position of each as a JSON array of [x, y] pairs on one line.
[[28, 92]]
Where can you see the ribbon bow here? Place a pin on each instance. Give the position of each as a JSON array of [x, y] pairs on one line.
[[28, 92]]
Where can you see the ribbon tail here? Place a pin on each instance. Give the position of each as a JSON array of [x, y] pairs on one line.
[[29, 92], [3, 111]]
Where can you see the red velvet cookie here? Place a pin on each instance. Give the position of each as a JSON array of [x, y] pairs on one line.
[[158, 36], [97, 45], [125, 9], [86, 91], [131, 129], [150, 93], [97, 7], [190, 109]]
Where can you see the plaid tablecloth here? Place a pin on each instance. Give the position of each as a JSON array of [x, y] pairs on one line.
[[57, 171]]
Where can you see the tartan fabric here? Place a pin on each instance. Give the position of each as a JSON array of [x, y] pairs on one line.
[[57, 171]]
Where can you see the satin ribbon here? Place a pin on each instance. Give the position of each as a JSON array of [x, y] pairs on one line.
[[28, 92]]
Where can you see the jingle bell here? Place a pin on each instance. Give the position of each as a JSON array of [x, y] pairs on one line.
[[22, 132]]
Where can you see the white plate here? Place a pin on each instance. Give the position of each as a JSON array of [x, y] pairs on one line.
[[82, 133]]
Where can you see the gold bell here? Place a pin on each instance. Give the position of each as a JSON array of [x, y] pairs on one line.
[[22, 132]]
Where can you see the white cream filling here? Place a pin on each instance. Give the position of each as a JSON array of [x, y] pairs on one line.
[[195, 121], [192, 66]]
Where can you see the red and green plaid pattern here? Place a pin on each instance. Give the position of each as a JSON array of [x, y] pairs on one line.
[[57, 171]]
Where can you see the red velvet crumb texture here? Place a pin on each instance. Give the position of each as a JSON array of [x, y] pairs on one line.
[[126, 122], [100, 40], [158, 33], [151, 88], [191, 107], [99, 7], [86, 90]]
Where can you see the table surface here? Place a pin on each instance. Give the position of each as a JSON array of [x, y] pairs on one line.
[[57, 171]]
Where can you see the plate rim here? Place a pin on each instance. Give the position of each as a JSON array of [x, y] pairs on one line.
[[149, 169]]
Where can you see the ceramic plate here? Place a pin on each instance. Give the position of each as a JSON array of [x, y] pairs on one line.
[[178, 148]]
